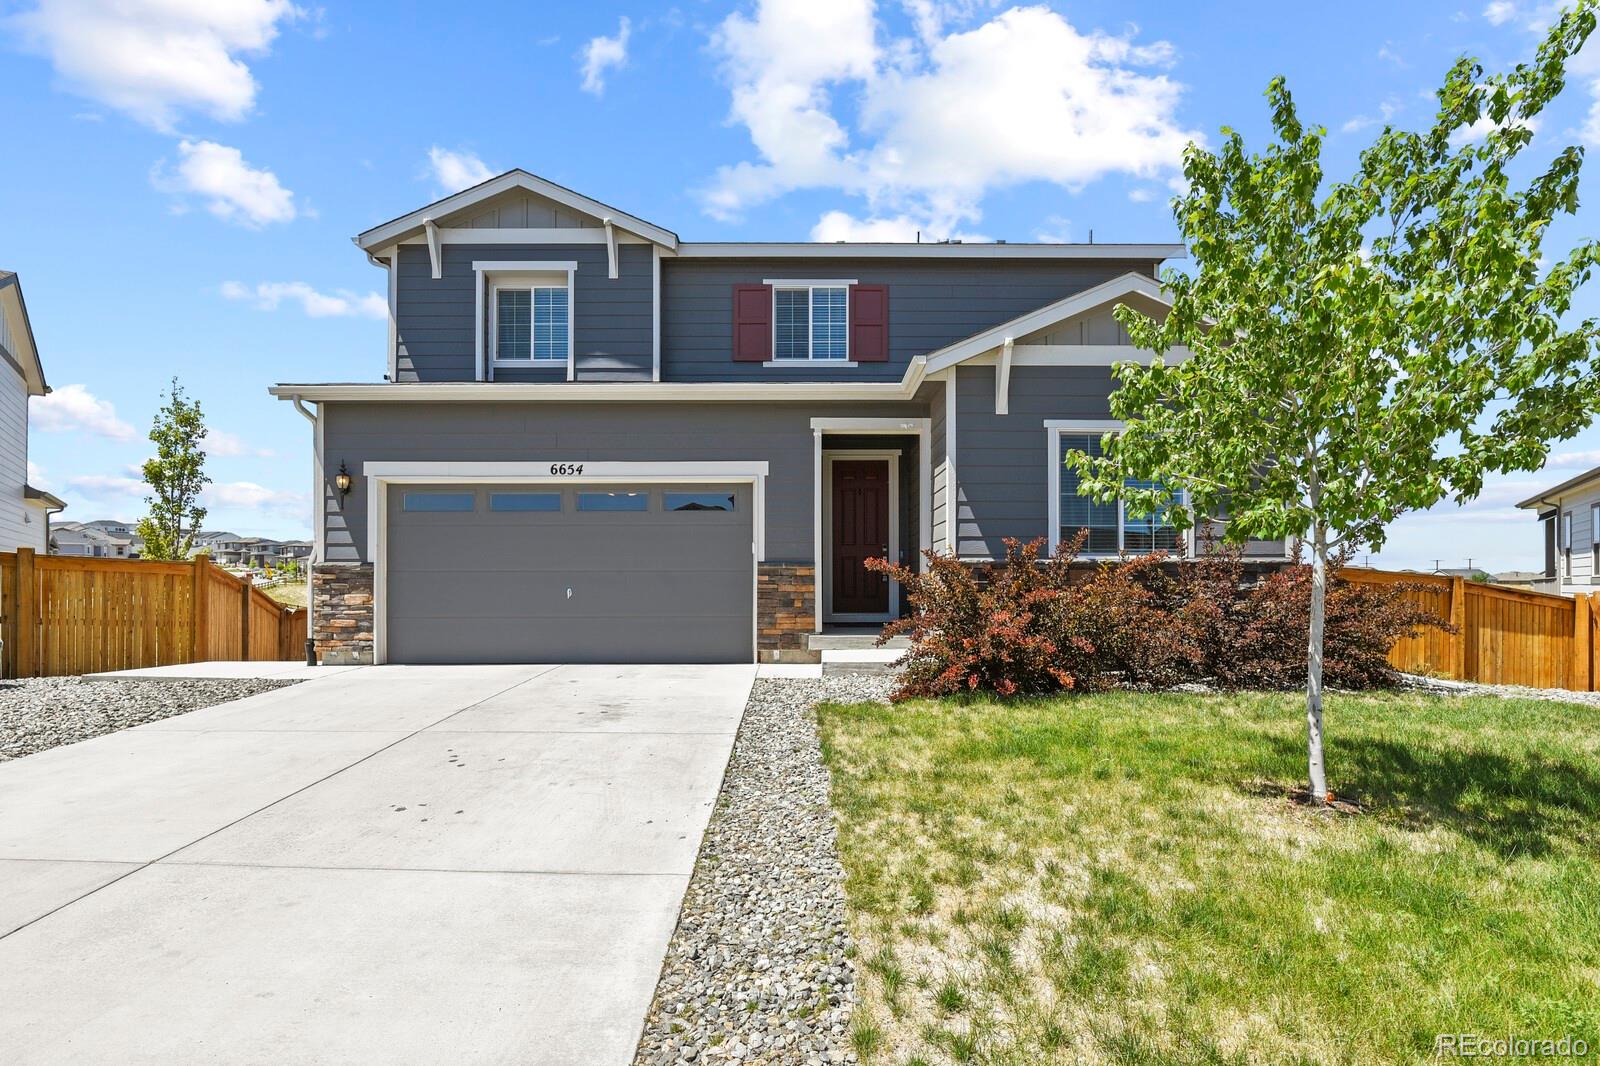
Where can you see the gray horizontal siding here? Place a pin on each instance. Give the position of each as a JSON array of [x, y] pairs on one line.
[[780, 434], [931, 304], [613, 319], [1003, 486]]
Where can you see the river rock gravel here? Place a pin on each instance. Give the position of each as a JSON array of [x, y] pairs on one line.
[[759, 969], [1518, 692], [39, 713]]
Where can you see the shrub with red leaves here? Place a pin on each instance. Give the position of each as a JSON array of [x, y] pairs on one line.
[[1029, 627]]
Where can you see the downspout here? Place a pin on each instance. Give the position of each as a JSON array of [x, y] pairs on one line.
[[316, 516]]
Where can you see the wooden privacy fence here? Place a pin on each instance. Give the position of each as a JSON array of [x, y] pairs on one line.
[[62, 615], [1504, 636]]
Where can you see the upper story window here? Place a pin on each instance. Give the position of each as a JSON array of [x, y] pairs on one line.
[[1112, 527], [530, 321], [811, 321]]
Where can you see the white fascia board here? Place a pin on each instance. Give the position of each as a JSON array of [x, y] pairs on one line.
[[613, 391], [1090, 355], [1151, 252], [871, 425], [1107, 292], [513, 179], [544, 235]]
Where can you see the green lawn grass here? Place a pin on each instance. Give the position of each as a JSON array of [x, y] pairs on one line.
[[1120, 878]]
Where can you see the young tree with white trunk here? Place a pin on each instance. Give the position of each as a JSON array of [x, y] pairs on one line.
[[1364, 348]]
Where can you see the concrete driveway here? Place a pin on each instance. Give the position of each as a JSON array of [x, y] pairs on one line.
[[391, 865]]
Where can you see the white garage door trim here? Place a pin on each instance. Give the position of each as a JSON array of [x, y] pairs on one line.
[[380, 475]]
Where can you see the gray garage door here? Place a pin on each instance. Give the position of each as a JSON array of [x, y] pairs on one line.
[[584, 573]]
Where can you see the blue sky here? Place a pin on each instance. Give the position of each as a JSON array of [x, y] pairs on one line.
[[184, 176]]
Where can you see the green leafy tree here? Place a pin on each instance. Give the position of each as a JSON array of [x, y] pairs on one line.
[[1363, 348], [175, 476]]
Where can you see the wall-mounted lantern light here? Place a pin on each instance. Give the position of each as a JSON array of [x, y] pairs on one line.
[[341, 480]]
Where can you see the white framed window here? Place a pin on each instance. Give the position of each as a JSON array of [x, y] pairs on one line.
[[525, 315], [1112, 527], [810, 321], [1566, 542]]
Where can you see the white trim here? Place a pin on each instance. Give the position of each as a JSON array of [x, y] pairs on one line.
[[1082, 425], [1002, 378], [890, 457], [499, 282], [611, 248], [533, 235], [529, 266], [923, 428], [1129, 284], [381, 474], [1092, 355], [816, 524], [810, 364], [809, 283], [810, 286], [847, 250], [655, 312], [434, 262], [513, 179], [394, 315], [481, 391], [951, 516]]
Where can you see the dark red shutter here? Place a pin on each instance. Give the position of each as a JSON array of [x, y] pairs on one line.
[[869, 323], [752, 323]]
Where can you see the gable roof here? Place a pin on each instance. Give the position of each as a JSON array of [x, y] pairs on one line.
[[398, 228], [1118, 288], [24, 351], [1545, 498]]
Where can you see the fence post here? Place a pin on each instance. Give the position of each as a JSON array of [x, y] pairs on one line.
[[1458, 618], [27, 624], [197, 606], [1582, 646], [244, 618]]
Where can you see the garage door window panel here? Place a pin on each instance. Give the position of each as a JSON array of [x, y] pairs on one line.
[[439, 502], [525, 502], [699, 501], [614, 501]]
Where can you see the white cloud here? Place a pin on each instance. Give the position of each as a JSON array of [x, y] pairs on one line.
[[1569, 459], [36, 476], [108, 487], [270, 295], [232, 189], [1500, 12], [939, 121], [840, 226], [73, 408], [1056, 230], [221, 442], [454, 171], [605, 53], [157, 59], [249, 496], [1141, 196], [1483, 127], [1390, 55]]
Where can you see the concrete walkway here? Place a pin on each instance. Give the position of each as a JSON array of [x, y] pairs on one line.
[[388, 865]]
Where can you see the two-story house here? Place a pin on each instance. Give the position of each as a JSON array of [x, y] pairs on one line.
[[24, 510], [597, 442], [1569, 517]]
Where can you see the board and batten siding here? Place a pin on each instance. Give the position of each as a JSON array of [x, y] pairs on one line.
[[21, 526], [931, 304], [613, 318], [779, 434]]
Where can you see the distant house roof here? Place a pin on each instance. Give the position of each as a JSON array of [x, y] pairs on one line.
[[1547, 497], [22, 352]]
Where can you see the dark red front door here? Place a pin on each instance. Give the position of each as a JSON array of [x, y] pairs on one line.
[[860, 532]]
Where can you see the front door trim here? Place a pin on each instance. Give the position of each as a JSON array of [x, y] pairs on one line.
[[922, 428], [890, 458]]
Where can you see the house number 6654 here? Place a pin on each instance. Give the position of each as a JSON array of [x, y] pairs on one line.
[[565, 469]]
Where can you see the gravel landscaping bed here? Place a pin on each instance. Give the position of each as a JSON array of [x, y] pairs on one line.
[[44, 712], [759, 969], [1521, 692]]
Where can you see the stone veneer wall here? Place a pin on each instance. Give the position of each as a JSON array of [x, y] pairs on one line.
[[341, 612], [785, 611]]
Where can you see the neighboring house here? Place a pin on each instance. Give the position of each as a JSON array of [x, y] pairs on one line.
[[600, 443], [88, 540], [1569, 516], [231, 549], [1532, 580], [24, 510]]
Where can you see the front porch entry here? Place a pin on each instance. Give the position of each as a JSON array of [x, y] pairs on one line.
[[873, 492]]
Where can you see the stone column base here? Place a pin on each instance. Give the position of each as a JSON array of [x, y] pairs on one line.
[[786, 612], [341, 613]]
